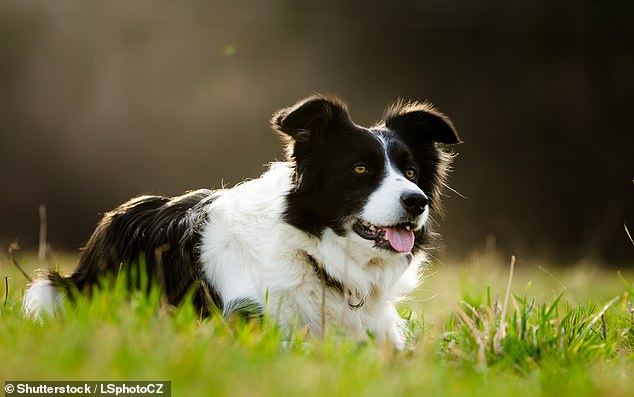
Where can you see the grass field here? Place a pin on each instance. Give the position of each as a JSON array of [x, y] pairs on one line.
[[561, 332]]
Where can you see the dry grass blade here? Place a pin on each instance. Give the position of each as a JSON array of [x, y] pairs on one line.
[[477, 335], [627, 231], [469, 323], [323, 310], [591, 324], [12, 248], [42, 246], [6, 292], [501, 330]]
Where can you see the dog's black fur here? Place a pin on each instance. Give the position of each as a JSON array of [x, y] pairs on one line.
[[155, 235]]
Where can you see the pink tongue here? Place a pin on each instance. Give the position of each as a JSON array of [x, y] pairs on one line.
[[401, 240]]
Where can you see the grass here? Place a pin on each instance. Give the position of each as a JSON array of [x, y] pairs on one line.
[[561, 332]]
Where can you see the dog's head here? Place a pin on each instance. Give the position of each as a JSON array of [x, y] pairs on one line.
[[374, 185]]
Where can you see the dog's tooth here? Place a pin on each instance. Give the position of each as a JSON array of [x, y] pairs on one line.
[[408, 228]]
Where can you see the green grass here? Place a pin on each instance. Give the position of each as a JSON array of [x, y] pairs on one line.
[[564, 332]]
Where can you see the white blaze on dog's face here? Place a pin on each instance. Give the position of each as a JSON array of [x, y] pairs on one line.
[[385, 205], [396, 209], [376, 186]]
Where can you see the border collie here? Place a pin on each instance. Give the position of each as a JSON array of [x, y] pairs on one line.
[[334, 235]]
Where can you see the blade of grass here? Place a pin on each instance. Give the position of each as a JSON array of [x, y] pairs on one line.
[[626, 283], [12, 248], [6, 293], [628, 234], [501, 331], [582, 335]]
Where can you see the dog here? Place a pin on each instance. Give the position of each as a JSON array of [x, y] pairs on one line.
[[333, 235]]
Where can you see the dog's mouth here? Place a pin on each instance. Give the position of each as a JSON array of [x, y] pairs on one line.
[[399, 238]]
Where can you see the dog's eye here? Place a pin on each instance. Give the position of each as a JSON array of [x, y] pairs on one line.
[[360, 168], [410, 173]]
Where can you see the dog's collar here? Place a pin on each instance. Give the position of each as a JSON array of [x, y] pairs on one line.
[[330, 282]]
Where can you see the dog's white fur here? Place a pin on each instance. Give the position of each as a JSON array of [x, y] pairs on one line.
[[42, 299], [252, 253]]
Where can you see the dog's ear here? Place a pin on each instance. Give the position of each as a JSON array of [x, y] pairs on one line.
[[420, 121], [310, 119]]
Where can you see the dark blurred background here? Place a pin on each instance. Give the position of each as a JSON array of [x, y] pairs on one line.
[[100, 101]]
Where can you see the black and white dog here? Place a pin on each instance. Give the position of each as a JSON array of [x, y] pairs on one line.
[[334, 235]]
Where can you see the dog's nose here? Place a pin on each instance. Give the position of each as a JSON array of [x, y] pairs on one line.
[[414, 202]]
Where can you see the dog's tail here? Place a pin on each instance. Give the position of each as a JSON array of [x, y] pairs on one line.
[[46, 295]]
